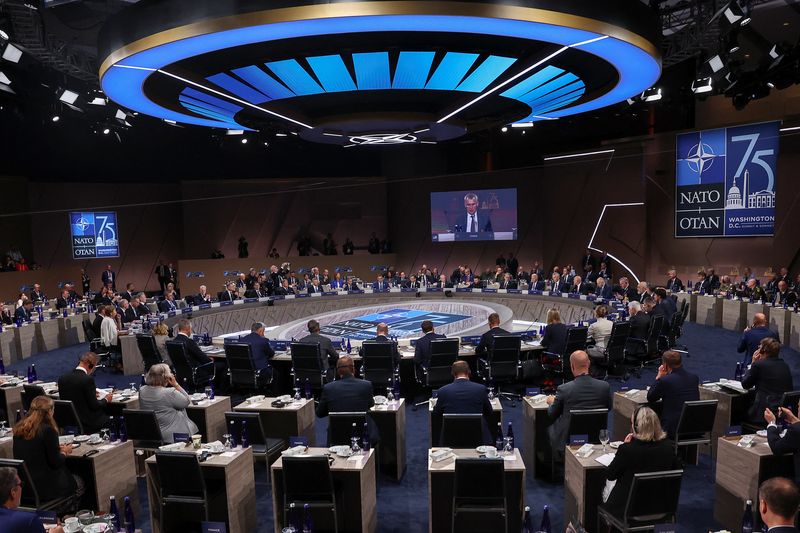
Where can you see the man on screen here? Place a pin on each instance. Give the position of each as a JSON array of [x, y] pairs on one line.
[[474, 223]]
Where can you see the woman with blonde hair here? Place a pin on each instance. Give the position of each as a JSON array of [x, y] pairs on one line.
[[160, 334], [164, 395], [646, 449], [36, 443], [555, 333]]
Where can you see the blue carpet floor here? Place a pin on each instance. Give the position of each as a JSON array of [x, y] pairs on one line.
[[403, 506]]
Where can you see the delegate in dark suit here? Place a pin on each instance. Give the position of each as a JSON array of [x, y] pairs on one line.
[[750, 340], [383, 338], [328, 354], [62, 303], [604, 292], [197, 357], [261, 350], [487, 340], [348, 394], [771, 377], [422, 351], [674, 389], [227, 296], [46, 465], [555, 338], [584, 392], [790, 443], [22, 314], [129, 315], [464, 397], [165, 306], [79, 388], [637, 457], [17, 521]]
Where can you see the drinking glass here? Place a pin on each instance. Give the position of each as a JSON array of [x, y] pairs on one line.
[[507, 445], [3, 428], [227, 441], [604, 438], [105, 435], [85, 517], [208, 391], [297, 394], [490, 393], [133, 386]]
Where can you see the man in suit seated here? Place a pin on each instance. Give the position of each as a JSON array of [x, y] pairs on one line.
[[487, 339], [256, 291], [380, 285], [674, 284], [583, 392], [422, 350], [126, 312], [23, 312], [140, 310], [753, 335], [36, 294], [413, 283], [463, 397], [13, 520], [783, 296], [665, 306], [535, 284], [790, 441], [508, 282], [203, 297], [314, 287], [770, 376], [168, 303], [674, 385], [640, 328], [78, 387], [348, 394], [284, 289], [603, 289], [127, 294], [442, 283], [328, 354], [625, 292], [5, 315], [229, 294], [753, 291], [778, 500], [197, 357], [260, 349], [382, 335], [578, 286], [63, 301], [556, 285]]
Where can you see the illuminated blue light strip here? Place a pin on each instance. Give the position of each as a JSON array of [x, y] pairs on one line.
[[332, 73], [550, 86], [295, 77], [124, 82], [558, 102], [412, 70], [535, 80], [245, 92], [205, 105], [451, 71], [372, 71], [555, 95], [205, 112], [486, 73], [263, 82], [213, 100]]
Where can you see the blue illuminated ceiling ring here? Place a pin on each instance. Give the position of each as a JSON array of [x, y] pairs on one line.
[[125, 71]]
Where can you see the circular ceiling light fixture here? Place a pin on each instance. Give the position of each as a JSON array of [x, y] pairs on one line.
[[361, 68], [383, 139]]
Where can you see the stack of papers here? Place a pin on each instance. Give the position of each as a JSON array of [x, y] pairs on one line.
[[605, 459]]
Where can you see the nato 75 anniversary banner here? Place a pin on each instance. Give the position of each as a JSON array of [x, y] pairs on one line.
[[725, 181]]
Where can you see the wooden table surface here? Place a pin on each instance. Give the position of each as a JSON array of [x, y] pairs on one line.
[[584, 479], [112, 471], [534, 431], [209, 415], [390, 419], [624, 404], [295, 419]]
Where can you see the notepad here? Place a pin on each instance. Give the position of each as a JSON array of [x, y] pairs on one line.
[[605, 459]]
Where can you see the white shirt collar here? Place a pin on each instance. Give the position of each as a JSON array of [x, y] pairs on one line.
[[79, 367]]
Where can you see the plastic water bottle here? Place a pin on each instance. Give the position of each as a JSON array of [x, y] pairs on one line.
[[747, 518], [307, 387], [116, 521], [130, 524], [510, 435], [545, 526], [308, 525], [498, 442], [365, 439], [354, 440], [527, 523], [33, 373], [245, 440], [123, 431]]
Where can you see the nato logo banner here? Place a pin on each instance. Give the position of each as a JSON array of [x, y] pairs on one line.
[[725, 181], [94, 235]]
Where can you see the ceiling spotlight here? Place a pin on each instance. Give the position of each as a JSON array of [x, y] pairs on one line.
[[97, 101], [55, 118], [702, 85], [266, 143], [524, 132], [121, 115], [5, 80], [68, 97], [170, 122], [522, 125], [716, 63], [653, 94], [504, 129], [280, 135], [4, 35], [736, 13], [244, 140], [732, 42], [234, 132], [770, 85], [12, 53], [106, 131], [630, 101]]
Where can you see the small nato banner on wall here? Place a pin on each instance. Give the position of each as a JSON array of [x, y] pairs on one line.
[[94, 234], [725, 181]]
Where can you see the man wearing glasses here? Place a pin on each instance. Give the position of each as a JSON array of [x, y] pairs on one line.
[[15, 521]]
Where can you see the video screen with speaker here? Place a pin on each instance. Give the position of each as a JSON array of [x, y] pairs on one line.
[[474, 215]]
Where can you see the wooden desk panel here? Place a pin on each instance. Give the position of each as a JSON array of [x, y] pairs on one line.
[[70, 329], [709, 311], [780, 320], [26, 341], [209, 415], [584, 479], [47, 334], [731, 409], [734, 314], [112, 472], [11, 401], [625, 404], [354, 482], [132, 362], [282, 423], [534, 434], [7, 447], [9, 347], [794, 331], [391, 423]]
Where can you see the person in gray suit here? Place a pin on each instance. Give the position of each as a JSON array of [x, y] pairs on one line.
[[583, 392], [166, 397], [325, 345]]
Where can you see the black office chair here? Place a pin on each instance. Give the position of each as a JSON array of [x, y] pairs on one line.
[[188, 375], [96, 345], [643, 511], [558, 363], [461, 431], [479, 496], [143, 429], [66, 416], [150, 354], [444, 352], [695, 423], [262, 445], [614, 352], [790, 400], [242, 369], [588, 422], [377, 362], [29, 392], [181, 486], [340, 427], [502, 363], [30, 500], [307, 365], [308, 480], [645, 351]]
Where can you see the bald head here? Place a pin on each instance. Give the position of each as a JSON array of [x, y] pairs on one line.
[[345, 366], [579, 362], [759, 319], [382, 329]]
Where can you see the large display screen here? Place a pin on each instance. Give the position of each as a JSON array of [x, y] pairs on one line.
[[474, 215], [725, 181], [94, 234]]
